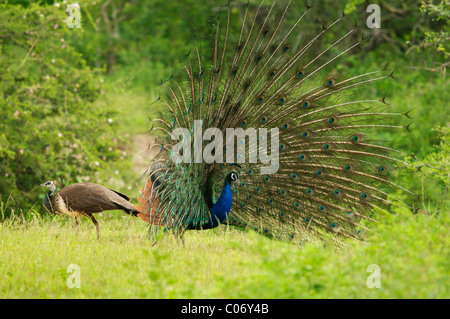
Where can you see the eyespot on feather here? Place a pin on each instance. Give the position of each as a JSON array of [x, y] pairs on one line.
[[300, 73], [330, 82]]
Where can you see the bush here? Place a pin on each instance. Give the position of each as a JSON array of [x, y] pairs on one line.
[[49, 124]]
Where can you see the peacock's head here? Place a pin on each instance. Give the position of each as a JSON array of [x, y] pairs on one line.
[[232, 177], [50, 185]]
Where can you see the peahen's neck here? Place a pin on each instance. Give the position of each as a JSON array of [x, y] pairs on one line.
[[47, 201]]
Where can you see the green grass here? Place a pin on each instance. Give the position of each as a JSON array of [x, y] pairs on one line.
[[412, 252]]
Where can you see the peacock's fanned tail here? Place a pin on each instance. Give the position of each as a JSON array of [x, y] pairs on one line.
[[332, 176]]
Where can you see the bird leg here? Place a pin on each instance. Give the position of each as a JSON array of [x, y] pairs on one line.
[[96, 225], [182, 240], [179, 237], [77, 223]]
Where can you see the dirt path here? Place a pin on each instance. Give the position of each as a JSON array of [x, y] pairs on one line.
[[141, 157]]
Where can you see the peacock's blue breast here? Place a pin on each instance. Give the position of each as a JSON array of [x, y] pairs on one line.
[[220, 210]]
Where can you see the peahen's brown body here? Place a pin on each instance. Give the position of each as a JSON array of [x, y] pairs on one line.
[[85, 199]]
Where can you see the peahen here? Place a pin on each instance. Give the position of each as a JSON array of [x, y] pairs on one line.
[[280, 87], [85, 199]]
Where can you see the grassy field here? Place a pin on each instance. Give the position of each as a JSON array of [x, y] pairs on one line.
[[412, 252]]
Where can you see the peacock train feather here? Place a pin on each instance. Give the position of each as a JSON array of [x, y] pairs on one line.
[[332, 176]]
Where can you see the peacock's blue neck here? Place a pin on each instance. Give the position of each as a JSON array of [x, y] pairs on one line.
[[220, 210]]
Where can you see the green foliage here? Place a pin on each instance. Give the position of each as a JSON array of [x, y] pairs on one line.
[[438, 163], [438, 39], [146, 37], [442, 9], [49, 125], [434, 170]]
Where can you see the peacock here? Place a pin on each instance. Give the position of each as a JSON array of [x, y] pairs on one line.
[[260, 129]]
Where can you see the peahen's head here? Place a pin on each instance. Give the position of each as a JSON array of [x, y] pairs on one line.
[[50, 185], [231, 177]]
